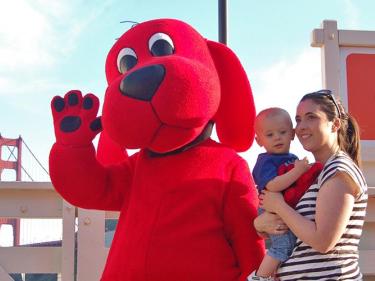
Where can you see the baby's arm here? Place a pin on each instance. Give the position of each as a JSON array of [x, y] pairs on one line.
[[282, 182]]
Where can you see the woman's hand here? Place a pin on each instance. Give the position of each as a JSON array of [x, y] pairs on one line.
[[270, 224], [270, 201]]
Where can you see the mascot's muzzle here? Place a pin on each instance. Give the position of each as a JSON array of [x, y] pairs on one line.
[[143, 83]]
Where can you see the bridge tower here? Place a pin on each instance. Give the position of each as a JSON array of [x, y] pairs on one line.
[[12, 144]]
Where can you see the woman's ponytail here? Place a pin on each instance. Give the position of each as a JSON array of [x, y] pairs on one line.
[[349, 138]]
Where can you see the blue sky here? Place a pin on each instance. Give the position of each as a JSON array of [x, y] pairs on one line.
[[49, 47]]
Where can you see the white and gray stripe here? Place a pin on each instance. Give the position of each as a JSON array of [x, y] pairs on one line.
[[341, 263]]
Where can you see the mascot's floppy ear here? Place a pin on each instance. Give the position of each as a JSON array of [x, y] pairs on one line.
[[236, 114]]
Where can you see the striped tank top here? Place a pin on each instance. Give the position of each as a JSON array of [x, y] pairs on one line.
[[340, 263]]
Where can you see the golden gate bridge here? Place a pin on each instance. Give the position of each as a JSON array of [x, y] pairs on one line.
[[16, 156], [11, 156]]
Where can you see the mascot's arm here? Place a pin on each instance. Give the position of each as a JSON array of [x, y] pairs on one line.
[[75, 172], [240, 210], [84, 182]]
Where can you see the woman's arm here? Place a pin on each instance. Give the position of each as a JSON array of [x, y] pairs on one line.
[[268, 223], [333, 208]]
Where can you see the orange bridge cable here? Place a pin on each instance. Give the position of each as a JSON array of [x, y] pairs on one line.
[[40, 164], [23, 169], [11, 153]]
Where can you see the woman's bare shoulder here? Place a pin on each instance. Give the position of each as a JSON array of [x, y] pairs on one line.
[[341, 182]]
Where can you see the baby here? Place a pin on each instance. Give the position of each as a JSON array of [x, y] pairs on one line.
[[274, 131]]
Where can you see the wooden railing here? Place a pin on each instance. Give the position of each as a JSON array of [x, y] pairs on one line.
[[39, 200]]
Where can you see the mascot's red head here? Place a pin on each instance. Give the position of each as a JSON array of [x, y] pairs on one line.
[[166, 83]]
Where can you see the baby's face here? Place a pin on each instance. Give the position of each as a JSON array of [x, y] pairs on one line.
[[275, 134]]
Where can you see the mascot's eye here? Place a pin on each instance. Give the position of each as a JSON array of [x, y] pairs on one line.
[[126, 60], [160, 44]]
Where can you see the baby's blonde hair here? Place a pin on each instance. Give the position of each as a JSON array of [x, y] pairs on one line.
[[270, 112]]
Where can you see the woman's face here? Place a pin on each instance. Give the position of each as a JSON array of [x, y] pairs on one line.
[[313, 129]]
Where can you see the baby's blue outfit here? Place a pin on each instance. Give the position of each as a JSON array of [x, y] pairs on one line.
[[265, 169]]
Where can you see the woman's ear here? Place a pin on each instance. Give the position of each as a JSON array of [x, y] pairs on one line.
[[336, 125], [293, 133]]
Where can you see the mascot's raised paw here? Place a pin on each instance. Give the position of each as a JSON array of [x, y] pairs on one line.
[[74, 118]]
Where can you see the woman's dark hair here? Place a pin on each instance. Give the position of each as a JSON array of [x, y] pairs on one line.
[[348, 134]]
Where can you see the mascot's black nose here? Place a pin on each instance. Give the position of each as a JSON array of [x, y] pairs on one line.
[[143, 83]]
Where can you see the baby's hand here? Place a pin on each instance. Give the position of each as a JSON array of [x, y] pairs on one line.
[[302, 165]]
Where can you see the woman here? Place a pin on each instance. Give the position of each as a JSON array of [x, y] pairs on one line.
[[329, 217]]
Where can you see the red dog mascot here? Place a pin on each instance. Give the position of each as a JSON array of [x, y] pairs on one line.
[[187, 203]]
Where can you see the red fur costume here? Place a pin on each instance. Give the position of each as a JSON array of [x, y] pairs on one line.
[[187, 203]]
